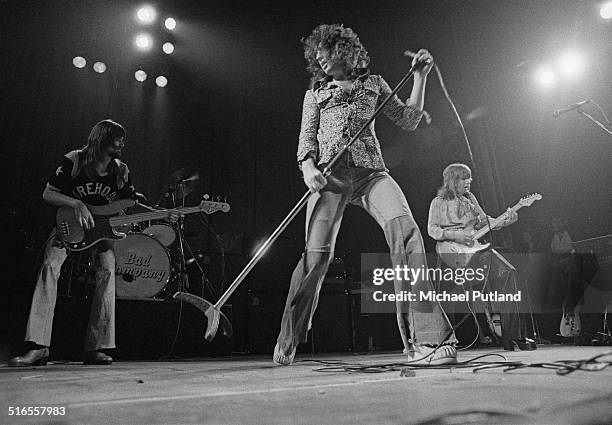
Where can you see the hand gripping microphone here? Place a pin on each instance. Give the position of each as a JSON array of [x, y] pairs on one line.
[[411, 54]]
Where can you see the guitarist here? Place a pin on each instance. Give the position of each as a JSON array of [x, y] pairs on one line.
[[93, 175], [451, 214]]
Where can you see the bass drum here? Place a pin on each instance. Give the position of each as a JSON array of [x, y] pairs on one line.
[[164, 233], [142, 267]]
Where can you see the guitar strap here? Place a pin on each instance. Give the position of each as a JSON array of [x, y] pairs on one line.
[[75, 157]]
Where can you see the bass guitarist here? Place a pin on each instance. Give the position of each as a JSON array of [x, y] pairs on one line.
[[452, 215], [93, 175]]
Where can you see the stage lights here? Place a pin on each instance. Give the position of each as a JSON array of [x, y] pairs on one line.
[[143, 42], [571, 64], [546, 77], [161, 81], [99, 67], [79, 62], [146, 15], [606, 10], [140, 75], [170, 23], [168, 48]]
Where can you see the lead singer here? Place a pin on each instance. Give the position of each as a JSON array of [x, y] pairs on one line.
[[344, 95]]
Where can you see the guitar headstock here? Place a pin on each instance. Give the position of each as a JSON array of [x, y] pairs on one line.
[[526, 201], [209, 207]]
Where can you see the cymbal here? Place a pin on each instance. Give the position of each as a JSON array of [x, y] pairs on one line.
[[182, 174], [181, 183]]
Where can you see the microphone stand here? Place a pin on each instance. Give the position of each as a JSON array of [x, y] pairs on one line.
[[213, 312], [599, 124]]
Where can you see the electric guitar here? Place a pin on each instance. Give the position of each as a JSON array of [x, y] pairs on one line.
[[455, 254], [106, 218], [570, 325]]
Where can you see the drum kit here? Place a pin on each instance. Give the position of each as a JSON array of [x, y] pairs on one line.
[[150, 261]]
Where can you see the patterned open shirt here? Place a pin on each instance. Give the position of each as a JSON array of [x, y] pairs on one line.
[[330, 117]]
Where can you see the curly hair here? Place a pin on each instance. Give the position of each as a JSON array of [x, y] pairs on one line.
[[344, 47]]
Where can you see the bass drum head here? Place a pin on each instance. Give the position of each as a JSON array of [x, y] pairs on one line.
[[142, 267]]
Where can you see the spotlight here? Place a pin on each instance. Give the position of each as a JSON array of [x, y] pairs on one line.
[[546, 77], [79, 62], [140, 75], [161, 81], [170, 23], [571, 64], [606, 10], [168, 48], [99, 67], [144, 42], [146, 14]]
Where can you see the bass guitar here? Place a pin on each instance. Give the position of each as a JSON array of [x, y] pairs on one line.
[[106, 219], [458, 255]]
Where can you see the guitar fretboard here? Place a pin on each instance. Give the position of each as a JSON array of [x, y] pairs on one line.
[[153, 215]]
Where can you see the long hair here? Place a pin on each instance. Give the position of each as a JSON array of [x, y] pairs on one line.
[[100, 138], [344, 47], [449, 189]]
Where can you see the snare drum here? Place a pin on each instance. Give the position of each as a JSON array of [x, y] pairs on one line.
[[142, 267], [164, 233]]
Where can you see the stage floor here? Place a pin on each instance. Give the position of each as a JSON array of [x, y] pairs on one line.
[[253, 391]]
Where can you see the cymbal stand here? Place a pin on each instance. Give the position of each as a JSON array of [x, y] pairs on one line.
[[204, 281], [183, 279]]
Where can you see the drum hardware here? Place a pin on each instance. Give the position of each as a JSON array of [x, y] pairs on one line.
[[180, 184], [146, 266], [177, 189], [220, 243], [183, 245]]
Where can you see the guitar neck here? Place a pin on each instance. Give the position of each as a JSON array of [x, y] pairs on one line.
[[152, 215], [480, 233]]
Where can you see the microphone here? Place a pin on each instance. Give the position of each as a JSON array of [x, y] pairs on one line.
[[411, 54], [570, 108]]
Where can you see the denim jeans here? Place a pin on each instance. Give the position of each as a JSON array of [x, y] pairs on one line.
[[101, 327], [375, 191]]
